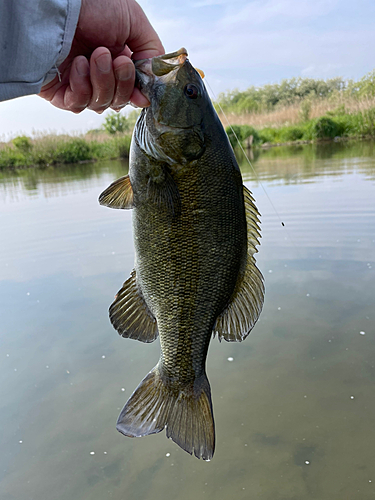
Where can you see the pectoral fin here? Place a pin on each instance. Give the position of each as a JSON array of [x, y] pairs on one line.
[[163, 191], [118, 195], [130, 315], [237, 320]]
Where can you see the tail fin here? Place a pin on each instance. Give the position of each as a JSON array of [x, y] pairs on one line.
[[186, 414]]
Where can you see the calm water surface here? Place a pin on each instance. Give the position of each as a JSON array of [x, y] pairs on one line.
[[294, 409]]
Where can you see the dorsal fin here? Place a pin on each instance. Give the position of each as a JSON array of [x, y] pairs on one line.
[[236, 321], [118, 195], [130, 315]]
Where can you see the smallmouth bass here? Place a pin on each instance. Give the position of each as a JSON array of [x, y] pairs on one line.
[[195, 230]]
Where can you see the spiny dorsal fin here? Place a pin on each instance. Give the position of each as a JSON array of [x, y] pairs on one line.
[[130, 315], [237, 320], [118, 195]]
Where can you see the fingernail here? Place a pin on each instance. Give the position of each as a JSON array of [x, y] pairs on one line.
[[104, 63], [119, 107], [124, 72], [82, 66]]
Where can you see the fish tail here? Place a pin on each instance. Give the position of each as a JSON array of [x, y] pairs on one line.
[[186, 413]]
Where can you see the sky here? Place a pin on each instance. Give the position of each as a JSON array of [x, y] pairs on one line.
[[237, 44]]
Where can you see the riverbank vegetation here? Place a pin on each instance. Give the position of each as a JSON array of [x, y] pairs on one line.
[[53, 149], [300, 109], [334, 125], [295, 110], [110, 141]]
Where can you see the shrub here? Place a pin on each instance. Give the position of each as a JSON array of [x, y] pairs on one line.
[[325, 128], [23, 144], [102, 150], [294, 133], [290, 91], [242, 132], [115, 123], [268, 134], [123, 146], [369, 121], [72, 151], [12, 158], [247, 131], [366, 122]]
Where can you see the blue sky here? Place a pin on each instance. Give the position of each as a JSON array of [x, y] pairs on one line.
[[237, 44]]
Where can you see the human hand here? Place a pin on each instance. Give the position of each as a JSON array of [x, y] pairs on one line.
[[98, 72]]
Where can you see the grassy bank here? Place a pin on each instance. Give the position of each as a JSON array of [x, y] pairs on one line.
[[62, 149], [301, 109], [333, 125], [111, 141], [296, 98]]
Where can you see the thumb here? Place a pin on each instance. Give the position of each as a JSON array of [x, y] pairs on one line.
[[143, 40]]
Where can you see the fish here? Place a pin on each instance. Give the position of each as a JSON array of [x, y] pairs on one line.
[[195, 229]]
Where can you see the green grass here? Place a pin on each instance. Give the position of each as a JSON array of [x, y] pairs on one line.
[[52, 150], [337, 124]]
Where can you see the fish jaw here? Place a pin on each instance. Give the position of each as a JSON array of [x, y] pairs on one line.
[[165, 67]]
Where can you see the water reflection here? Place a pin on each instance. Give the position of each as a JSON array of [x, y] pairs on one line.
[[56, 180], [294, 409], [307, 163]]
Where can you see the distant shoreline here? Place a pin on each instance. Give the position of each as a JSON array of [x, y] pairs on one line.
[[54, 150]]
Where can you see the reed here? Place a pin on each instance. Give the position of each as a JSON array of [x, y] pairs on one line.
[[334, 124], [296, 100], [292, 114]]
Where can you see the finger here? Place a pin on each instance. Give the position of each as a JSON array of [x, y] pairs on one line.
[[54, 91], [125, 52], [78, 94], [49, 90], [102, 79], [125, 77], [138, 99]]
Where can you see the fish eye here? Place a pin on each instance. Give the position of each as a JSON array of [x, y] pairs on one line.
[[191, 91]]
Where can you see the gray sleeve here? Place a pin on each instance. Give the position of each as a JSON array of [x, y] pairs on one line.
[[35, 38]]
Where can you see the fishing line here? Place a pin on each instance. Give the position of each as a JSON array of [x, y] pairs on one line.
[[249, 162]]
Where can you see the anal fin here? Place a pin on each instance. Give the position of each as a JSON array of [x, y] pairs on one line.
[[239, 317], [130, 315]]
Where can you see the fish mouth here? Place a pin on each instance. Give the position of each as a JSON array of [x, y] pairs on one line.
[[163, 67]]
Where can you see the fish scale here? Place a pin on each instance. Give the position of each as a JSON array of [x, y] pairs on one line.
[[184, 239], [195, 229]]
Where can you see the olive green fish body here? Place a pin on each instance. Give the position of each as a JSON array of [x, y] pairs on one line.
[[195, 229], [187, 263]]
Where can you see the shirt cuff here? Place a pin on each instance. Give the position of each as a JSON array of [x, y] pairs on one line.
[[73, 10]]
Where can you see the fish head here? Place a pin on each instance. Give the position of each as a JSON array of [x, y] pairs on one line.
[[178, 105]]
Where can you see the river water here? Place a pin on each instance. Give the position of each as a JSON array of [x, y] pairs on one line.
[[294, 404]]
